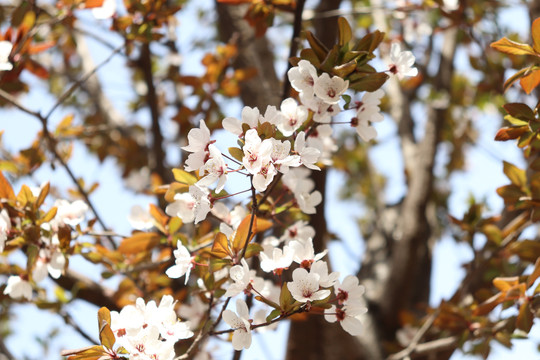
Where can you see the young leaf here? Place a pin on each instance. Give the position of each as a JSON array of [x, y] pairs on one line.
[[140, 242], [535, 34], [243, 233], [513, 48], [510, 133], [525, 317], [516, 175], [220, 248], [317, 46], [520, 111], [184, 177], [535, 274], [530, 81], [6, 191], [345, 32]]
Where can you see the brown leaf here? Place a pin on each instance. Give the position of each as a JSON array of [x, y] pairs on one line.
[[510, 133], [139, 242], [535, 34], [220, 248], [6, 191]]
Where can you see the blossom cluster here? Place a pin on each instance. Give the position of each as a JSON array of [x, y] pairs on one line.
[[149, 331], [50, 260]]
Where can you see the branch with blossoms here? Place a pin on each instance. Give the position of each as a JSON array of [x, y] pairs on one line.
[[276, 152]]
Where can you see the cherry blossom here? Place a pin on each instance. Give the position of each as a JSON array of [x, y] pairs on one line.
[[300, 230], [140, 219], [105, 11], [264, 177], [276, 259], [69, 213], [321, 139], [401, 62], [50, 260], [368, 112], [198, 141], [18, 288], [348, 318], [243, 277], [325, 279], [230, 217], [308, 155], [241, 338], [281, 157], [349, 291], [256, 152], [302, 77], [293, 116], [322, 111], [182, 264], [182, 207], [330, 89], [202, 205], [5, 227], [305, 286], [307, 202], [5, 51], [304, 253], [214, 169], [250, 116]]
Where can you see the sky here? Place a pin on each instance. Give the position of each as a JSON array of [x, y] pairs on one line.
[[482, 176]]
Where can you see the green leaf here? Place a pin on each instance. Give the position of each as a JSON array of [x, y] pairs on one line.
[[370, 83], [286, 300], [512, 48], [184, 177], [370, 42], [318, 47], [345, 32], [274, 314], [517, 176], [253, 249], [311, 56], [527, 250]]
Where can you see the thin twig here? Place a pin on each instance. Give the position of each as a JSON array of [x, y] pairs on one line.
[[81, 81], [69, 321], [405, 353]]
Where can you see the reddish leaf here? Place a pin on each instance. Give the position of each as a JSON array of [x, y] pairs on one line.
[[535, 274], [520, 111], [510, 133], [34, 49], [244, 233], [530, 81], [158, 215], [140, 242], [525, 317], [36, 69]]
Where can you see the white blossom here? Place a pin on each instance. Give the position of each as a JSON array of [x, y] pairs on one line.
[[243, 277], [325, 279], [275, 259], [105, 11], [293, 116], [305, 286], [322, 111], [304, 252], [256, 152], [241, 338], [214, 169], [348, 318], [182, 264], [368, 112], [300, 230], [307, 202], [198, 141], [330, 89], [302, 77], [69, 213], [182, 207], [401, 62], [308, 155], [349, 292], [18, 288], [5, 227], [140, 219], [250, 116], [321, 139], [5, 51], [202, 205]]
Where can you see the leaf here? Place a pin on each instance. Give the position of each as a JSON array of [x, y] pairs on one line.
[[6, 191], [37, 69], [48, 216], [520, 111], [513, 48], [236, 153], [43, 194], [517, 176], [535, 274], [345, 32], [244, 234], [525, 317], [285, 298], [220, 247], [510, 133], [273, 314], [535, 34], [106, 336], [158, 215], [317, 46], [184, 177], [88, 4], [505, 283], [104, 316], [530, 81], [370, 42], [370, 83], [252, 250], [141, 241], [512, 79], [87, 353], [527, 250]]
